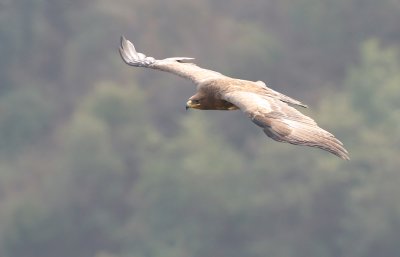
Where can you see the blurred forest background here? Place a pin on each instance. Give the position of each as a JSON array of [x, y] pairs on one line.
[[101, 160]]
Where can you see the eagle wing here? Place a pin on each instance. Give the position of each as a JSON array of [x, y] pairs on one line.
[[284, 123], [180, 66]]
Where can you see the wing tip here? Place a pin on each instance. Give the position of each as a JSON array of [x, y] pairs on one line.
[[312, 137], [343, 154], [345, 157], [122, 39], [337, 148], [131, 57]]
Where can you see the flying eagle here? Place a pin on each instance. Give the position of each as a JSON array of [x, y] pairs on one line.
[[268, 109]]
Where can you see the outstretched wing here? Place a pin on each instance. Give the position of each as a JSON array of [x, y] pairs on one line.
[[180, 66], [284, 123]]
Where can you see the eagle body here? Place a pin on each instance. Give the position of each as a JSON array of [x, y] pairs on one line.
[[267, 108]]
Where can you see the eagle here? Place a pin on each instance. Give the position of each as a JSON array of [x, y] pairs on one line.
[[272, 111]]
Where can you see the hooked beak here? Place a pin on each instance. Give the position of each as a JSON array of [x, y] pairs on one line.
[[191, 104]]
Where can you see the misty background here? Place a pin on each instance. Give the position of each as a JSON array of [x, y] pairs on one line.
[[99, 159]]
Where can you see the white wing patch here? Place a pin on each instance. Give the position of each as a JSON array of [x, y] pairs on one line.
[[247, 101], [291, 123]]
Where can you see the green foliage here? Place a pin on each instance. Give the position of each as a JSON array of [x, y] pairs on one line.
[[376, 83], [25, 118], [254, 48], [27, 225]]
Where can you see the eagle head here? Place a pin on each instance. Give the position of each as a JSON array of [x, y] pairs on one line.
[[193, 103]]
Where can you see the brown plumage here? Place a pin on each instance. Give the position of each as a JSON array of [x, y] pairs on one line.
[[267, 108]]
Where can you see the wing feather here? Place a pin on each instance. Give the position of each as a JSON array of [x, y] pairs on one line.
[[284, 123], [180, 66], [282, 97]]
